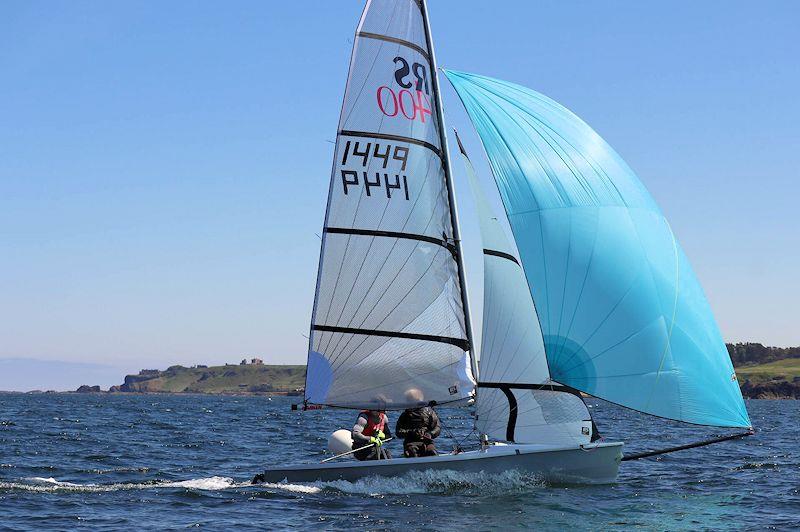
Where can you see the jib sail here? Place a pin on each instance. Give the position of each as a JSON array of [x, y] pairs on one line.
[[518, 401]]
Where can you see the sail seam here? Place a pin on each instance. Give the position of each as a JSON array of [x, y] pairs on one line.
[[395, 40], [500, 254], [387, 136], [458, 342]]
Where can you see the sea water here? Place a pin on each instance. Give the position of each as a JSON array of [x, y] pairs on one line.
[[176, 461]]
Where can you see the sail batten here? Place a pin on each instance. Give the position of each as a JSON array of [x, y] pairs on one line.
[[623, 316], [389, 327]]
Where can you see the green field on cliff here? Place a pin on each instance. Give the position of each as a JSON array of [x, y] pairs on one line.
[[219, 379], [786, 369]]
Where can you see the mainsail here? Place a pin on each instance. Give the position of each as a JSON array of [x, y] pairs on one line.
[[622, 314], [390, 325], [518, 402]]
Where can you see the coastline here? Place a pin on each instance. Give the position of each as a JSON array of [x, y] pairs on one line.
[[772, 390]]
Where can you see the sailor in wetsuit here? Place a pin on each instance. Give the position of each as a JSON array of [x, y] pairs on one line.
[[418, 427], [372, 426]]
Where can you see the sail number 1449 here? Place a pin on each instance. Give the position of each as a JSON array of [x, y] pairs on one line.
[[367, 153]]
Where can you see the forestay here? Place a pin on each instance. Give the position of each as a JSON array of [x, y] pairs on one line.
[[517, 400], [622, 315], [388, 326]]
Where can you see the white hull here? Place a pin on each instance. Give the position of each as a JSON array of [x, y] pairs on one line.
[[588, 464]]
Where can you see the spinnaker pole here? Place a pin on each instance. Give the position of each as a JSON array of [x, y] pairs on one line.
[[448, 172]]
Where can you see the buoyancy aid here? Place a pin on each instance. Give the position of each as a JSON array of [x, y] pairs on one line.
[[372, 427]]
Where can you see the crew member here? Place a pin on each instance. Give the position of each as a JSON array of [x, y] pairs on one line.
[[418, 427], [372, 427]]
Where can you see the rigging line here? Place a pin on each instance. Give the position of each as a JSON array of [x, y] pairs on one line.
[[703, 443], [386, 259], [450, 434]]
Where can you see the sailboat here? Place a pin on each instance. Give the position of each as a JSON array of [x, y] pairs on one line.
[[591, 295]]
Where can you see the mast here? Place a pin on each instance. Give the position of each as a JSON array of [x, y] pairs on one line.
[[448, 172]]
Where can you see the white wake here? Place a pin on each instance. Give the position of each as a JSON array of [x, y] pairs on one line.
[[41, 484], [441, 482]]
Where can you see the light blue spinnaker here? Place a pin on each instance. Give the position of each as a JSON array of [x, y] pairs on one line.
[[622, 314]]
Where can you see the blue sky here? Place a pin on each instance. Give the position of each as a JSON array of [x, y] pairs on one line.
[[164, 166]]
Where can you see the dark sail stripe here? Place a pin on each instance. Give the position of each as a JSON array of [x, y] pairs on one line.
[[512, 414], [458, 342], [507, 387], [500, 254], [395, 40], [394, 234], [387, 136], [555, 387]]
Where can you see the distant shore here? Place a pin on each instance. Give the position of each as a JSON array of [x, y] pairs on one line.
[[763, 373]]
